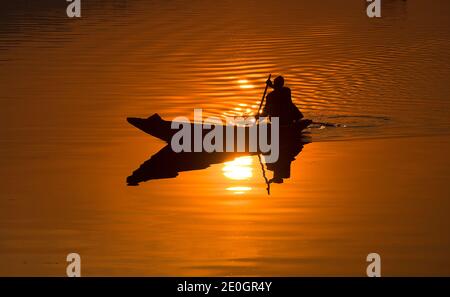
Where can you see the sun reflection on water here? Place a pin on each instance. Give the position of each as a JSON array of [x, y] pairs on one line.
[[244, 84], [239, 190], [240, 169]]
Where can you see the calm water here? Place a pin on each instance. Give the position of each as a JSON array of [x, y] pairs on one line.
[[379, 183]]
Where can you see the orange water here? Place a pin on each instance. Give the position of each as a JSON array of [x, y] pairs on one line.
[[67, 86]]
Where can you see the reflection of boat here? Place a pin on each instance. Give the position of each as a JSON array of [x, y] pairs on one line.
[[157, 127], [168, 164]]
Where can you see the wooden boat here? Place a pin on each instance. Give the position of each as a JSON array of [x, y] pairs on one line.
[[159, 128]]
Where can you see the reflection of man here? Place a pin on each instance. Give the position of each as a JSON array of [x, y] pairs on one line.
[[282, 168], [279, 103]]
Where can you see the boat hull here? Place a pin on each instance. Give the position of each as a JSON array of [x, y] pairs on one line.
[[159, 128]]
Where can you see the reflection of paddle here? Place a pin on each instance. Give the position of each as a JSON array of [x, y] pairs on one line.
[[264, 174], [262, 100]]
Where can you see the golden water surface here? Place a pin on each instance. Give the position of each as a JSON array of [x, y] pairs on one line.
[[377, 183]]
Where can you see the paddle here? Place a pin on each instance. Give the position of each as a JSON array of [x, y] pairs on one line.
[[262, 99], [257, 119], [264, 174]]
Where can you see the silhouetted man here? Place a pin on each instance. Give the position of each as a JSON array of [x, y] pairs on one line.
[[279, 103]]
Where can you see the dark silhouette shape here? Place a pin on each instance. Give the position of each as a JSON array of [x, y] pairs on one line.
[[279, 103], [157, 127], [282, 168], [168, 164]]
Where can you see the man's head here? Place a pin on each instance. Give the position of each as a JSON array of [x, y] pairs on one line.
[[278, 83]]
